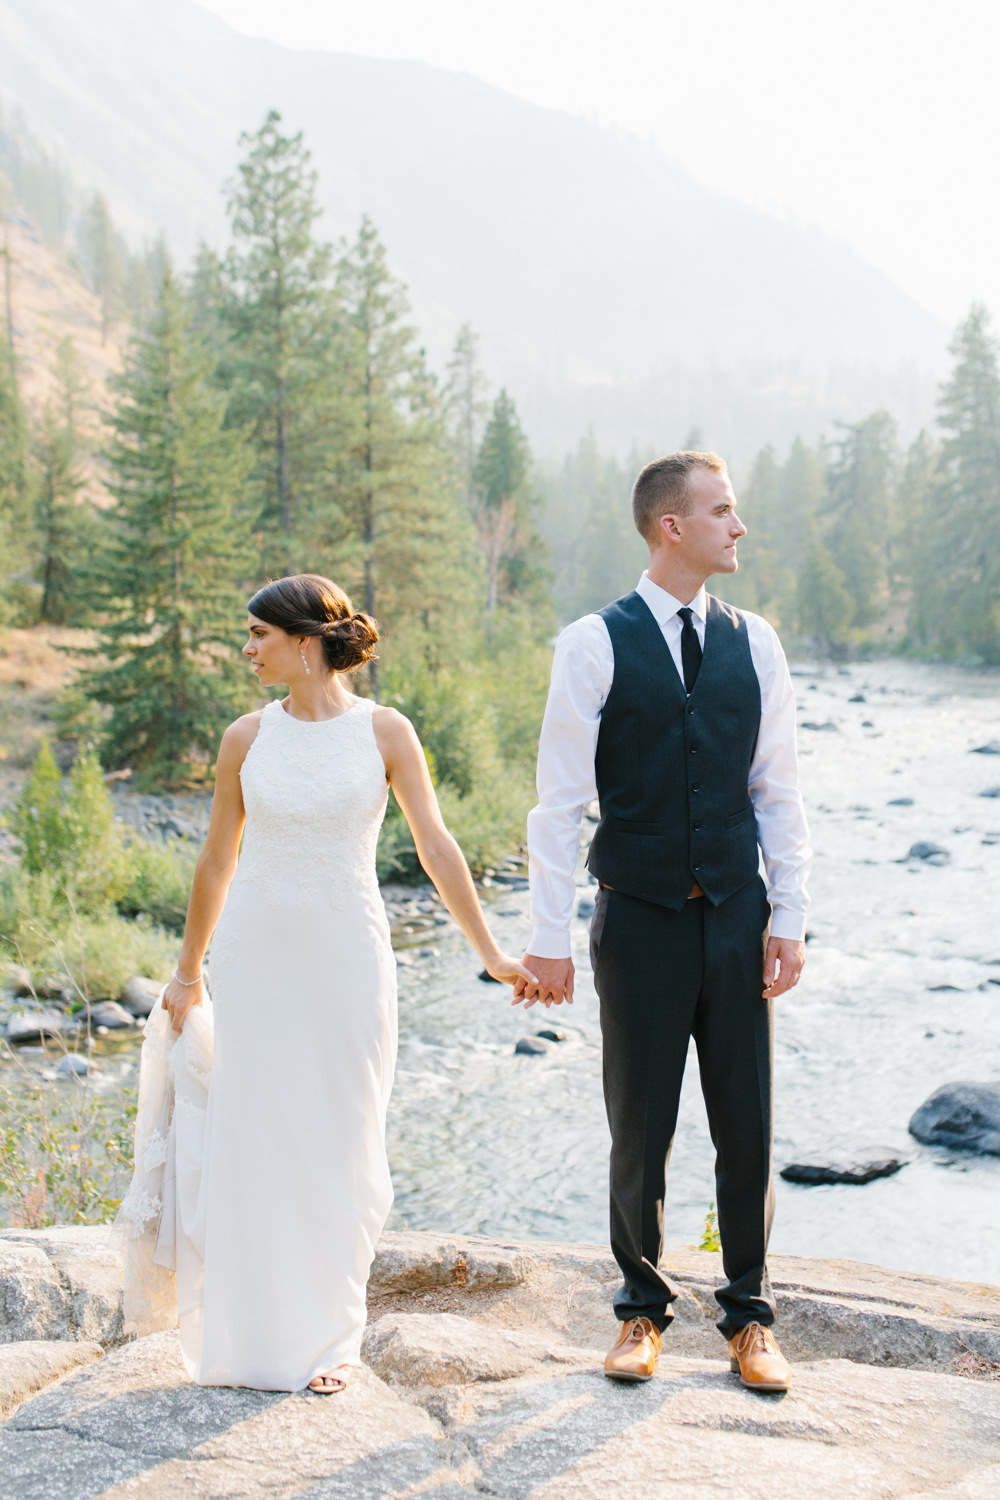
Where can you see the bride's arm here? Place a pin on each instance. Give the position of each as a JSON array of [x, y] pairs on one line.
[[438, 852], [214, 870]]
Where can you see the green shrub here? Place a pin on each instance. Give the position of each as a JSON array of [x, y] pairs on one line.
[[67, 834], [158, 882]]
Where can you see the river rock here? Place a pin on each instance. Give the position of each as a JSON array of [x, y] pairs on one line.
[[28, 1367], [857, 698], [961, 1116], [585, 907], [992, 747], [442, 1349], [828, 725], [75, 1065], [16, 979], [37, 1021], [110, 1014], [530, 1046], [140, 995], [931, 853], [900, 802], [991, 791], [855, 1173], [551, 1036]]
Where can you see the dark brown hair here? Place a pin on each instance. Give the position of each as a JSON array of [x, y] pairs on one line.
[[662, 488], [307, 604]]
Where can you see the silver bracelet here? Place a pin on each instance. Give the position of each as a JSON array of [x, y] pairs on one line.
[[187, 983]]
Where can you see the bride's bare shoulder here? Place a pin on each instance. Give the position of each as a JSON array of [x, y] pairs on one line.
[[391, 723], [394, 734], [238, 738]]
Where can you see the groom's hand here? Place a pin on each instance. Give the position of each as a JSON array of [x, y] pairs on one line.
[[784, 958], [554, 983]]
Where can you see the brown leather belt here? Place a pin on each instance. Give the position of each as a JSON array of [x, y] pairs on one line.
[[695, 890]]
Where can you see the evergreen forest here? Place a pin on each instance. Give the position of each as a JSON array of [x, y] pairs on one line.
[[276, 412]]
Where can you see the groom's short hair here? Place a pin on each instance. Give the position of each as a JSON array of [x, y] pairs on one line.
[[662, 488]]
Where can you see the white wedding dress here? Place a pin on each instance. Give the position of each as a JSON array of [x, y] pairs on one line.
[[261, 1182]]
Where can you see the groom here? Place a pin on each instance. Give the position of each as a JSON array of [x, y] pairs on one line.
[[678, 711]]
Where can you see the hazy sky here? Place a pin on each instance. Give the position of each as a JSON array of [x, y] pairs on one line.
[[874, 119]]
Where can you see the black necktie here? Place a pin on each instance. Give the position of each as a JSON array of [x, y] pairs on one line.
[[690, 650]]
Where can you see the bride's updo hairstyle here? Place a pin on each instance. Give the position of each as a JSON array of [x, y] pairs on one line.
[[307, 604]]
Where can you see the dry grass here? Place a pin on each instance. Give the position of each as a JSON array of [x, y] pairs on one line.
[[33, 671], [974, 1367]]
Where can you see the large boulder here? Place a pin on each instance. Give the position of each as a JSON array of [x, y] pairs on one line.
[[417, 1349], [140, 995], [32, 1022], [962, 1116], [134, 1423], [61, 1283], [28, 1367]]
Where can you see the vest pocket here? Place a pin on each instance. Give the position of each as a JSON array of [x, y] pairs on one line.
[[624, 825], [735, 819]]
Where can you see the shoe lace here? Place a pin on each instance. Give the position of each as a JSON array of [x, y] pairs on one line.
[[754, 1334], [641, 1328]]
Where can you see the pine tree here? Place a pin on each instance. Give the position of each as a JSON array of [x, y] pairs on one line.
[[917, 545], [104, 260], [175, 552], [66, 527], [826, 608], [860, 523], [966, 531], [16, 519], [280, 364], [393, 530], [504, 510], [466, 405]]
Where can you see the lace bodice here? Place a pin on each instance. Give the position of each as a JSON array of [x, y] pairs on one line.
[[315, 796]]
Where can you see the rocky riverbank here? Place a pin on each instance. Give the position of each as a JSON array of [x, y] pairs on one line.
[[483, 1375]]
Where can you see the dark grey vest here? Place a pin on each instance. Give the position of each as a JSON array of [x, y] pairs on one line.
[[672, 770]]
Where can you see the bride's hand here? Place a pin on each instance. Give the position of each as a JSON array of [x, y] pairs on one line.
[[178, 999], [507, 970]]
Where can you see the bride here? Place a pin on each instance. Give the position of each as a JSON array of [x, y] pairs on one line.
[[267, 1208]]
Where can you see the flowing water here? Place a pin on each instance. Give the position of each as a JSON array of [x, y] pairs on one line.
[[896, 1000]]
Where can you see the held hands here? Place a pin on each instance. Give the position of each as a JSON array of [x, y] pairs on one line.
[[553, 985], [508, 971], [178, 999], [784, 958]]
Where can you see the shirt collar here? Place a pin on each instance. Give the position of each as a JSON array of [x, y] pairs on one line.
[[663, 606]]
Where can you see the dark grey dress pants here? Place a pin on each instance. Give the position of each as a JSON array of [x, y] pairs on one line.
[[664, 976]]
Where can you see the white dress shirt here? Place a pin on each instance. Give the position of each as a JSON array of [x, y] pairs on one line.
[[582, 672]]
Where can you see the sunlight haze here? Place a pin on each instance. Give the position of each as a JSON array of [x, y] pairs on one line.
[[874, 121]]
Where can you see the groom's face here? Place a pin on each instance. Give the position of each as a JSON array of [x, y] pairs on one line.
[[707, 535]]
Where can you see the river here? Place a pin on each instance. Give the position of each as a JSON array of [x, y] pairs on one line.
[[896, 1000], [482, 1140]]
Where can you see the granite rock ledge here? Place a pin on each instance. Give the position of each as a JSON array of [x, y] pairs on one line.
[[483, 1374]]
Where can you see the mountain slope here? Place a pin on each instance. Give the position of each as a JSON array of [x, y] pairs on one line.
[[586, 259]]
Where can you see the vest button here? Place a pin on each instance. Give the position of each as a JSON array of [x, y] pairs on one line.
[[696, 787], [697, 868], [697, 828], [694, 749], [690, 710]]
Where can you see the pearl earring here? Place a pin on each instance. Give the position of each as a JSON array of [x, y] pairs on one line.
[[304, 662]]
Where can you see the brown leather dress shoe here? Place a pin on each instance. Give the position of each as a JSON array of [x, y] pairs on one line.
[[755, 1357], [635, 1354]]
